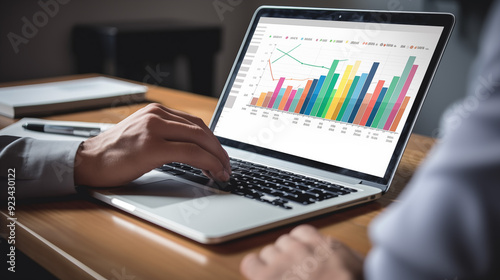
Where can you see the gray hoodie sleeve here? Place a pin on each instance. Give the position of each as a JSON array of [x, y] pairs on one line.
[[447, 222]]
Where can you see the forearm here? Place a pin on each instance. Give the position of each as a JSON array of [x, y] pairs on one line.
[[42, 168]]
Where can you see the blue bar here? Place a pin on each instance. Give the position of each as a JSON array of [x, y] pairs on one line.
[[278, 98], [375, 108], [354, 97], [308, 97], [315, 95], [363, 91]]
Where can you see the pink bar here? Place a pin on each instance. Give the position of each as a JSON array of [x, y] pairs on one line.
[[401, 97], [276, 91], [290, 99]]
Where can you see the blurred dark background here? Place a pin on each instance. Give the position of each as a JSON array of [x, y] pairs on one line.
[[49, 51]]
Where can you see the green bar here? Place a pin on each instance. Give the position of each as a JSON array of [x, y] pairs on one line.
[[324, 88], [329, 102], [385, 101], [396, 92], [295, 100], [347, 98], [326, 99]]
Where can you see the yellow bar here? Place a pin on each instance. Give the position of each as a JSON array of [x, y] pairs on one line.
[[342, 93], [336, 97], [341, 101], [261, 99], [354, 70]]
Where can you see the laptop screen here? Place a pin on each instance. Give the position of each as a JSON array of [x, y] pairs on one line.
[[332, 93]]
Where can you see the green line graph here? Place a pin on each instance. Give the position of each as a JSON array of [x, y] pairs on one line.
[[303, 63]]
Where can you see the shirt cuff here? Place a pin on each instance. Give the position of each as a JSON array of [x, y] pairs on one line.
[[45, 168]]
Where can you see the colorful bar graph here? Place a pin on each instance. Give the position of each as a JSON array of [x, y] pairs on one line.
[[308, 96], [277, 101], [363, 91], [401, 96], [328, 98], [296, 100], [284, 99], [376, 107], [395, 94], [371, 105], [314, 96], [267, 99], [385, 102], [326, 86], [262, 98], [303, 96], [343, 96], [342, 103], [339, 92], [354, 98]]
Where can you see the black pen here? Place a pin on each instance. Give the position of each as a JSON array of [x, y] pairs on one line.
[[63, 129]]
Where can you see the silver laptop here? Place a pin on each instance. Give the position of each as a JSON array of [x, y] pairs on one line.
[[315, 115]]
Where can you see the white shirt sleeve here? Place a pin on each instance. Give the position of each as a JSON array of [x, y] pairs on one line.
[[447, 222], [42, 168]]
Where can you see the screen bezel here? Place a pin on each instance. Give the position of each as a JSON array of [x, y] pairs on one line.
[[444, 20]]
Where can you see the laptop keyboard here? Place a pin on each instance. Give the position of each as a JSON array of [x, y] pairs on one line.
[[265, 184]]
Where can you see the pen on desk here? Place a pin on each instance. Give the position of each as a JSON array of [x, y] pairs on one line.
[[63, 129]]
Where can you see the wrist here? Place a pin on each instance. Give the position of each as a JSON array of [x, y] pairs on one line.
[[83, 166]]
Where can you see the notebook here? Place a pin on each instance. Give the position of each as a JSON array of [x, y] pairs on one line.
[[67, 96], [315, 114]]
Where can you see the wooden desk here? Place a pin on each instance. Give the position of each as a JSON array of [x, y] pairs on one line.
[[75, 238]]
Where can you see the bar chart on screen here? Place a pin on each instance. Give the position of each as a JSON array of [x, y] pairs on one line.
[[343, 94], [328, 92]]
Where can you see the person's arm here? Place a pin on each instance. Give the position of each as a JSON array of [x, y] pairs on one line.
[[447, 223], [149, 138], [39, 167]]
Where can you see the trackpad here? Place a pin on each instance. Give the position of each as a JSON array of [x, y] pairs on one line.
[[161, 193]]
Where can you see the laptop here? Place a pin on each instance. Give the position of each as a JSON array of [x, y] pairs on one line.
[[315, 114]]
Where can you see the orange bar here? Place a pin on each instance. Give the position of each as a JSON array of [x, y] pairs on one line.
[[400, 114], [285, 98], [268, 98], [362, 108], [303, 97], [261, 99]]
